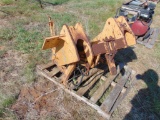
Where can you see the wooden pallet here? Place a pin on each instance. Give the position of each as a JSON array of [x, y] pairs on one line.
[[150, 41], [102, 92]]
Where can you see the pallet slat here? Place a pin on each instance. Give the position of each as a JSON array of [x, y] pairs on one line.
[[111, 98], [44, 66], [97, 95], [123, 94], [119, 100], [53, 72]]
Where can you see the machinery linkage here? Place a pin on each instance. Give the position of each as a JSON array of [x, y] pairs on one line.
[[72, 48]]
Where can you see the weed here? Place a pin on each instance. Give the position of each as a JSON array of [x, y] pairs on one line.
[[9, 101], [2, 52], [29, 8], [22, 7], [62, 18], [34, 59], [6, 2], [7, 34], [8, 114], [27, 41], [94, 29], [29, 72]]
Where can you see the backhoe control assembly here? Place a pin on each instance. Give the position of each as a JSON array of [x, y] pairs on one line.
[[73, 53]]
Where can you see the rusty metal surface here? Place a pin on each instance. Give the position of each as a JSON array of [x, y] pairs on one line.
[[99, 49], [72, 47]]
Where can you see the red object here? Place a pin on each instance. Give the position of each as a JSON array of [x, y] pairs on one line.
[[139, 28]]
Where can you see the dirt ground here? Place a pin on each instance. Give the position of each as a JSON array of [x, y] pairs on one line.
[[39, 100], [50, 102]]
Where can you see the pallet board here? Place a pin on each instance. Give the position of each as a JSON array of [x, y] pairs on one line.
[[112, 97], [93, 93], [150, 41]]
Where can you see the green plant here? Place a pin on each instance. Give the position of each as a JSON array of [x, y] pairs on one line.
[[29, 72], [2, 52], [6, 2], [55, 2], [7, 34], [22, 7], [27, 41], [8, 101], [63, 18], [37, 57], [94, 28], [29, 8]]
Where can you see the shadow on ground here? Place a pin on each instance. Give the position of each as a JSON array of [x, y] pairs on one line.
[[125, 55], [146, 103]]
